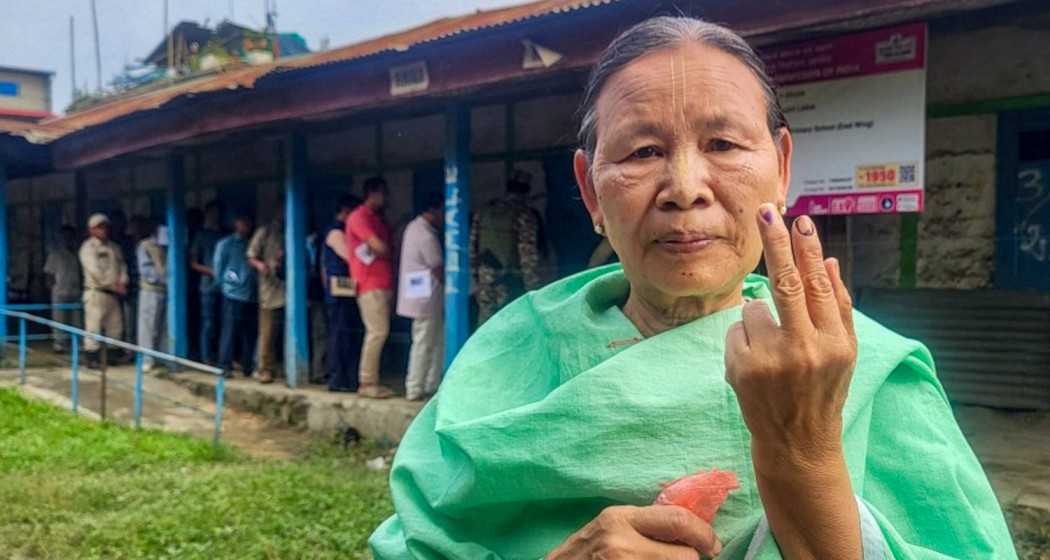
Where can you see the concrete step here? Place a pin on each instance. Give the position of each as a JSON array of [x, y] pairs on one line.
[[311, 407]]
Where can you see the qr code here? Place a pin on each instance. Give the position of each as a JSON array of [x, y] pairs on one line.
[[907, 174]]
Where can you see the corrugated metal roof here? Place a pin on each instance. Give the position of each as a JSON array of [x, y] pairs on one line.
[[245, 77], [991, 348]]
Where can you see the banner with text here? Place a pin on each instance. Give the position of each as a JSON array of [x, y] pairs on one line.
[[857, 109]]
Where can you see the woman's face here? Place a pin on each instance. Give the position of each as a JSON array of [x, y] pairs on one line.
[[684, 157]]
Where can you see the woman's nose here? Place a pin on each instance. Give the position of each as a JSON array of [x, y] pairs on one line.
[[687, 183]]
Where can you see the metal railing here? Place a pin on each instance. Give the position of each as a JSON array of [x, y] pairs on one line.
[[39, 307], [105, 342]]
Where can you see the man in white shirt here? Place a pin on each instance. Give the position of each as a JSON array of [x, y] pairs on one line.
[[421, 296], [63, 277]]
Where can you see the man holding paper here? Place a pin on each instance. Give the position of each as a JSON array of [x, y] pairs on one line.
[[371, 267], [420, 296]]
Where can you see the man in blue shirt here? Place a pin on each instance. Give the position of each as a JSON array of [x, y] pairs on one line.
[[202, 255], [236, 279]]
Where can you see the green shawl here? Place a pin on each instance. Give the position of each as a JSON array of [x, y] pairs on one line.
[[557, 408]]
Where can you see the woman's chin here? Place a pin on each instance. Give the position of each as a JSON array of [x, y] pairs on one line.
[[696, 275], [693, 281]]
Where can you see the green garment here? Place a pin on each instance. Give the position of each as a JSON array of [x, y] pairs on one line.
[[557, 408]]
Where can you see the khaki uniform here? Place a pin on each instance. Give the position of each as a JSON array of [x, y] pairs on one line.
[[104, 273], [267, 245], [504, 253]]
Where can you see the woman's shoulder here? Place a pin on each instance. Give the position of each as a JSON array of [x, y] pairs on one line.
[[886, 357], [523, 351]]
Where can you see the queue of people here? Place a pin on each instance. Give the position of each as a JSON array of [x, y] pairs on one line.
[[239, 291]]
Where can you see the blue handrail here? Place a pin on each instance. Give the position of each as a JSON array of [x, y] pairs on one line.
[[38, 307], [139, 351], [42, 306]]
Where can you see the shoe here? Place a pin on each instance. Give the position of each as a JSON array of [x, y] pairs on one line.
[[375, 392], [264, 377], [341, 390], [59, 349], [91, 360]]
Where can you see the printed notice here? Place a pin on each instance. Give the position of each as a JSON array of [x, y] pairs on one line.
[[365, 254], [419, 285], [857, 109]]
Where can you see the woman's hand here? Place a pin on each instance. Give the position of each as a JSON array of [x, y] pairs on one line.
[[627, 532], [791, 380]]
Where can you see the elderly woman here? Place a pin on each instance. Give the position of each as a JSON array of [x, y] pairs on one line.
[[565, 413]]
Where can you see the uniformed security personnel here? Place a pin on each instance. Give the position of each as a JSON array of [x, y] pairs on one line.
[[506, 246], [105, 283]]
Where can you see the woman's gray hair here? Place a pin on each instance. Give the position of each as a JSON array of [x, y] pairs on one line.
[[666, 32]]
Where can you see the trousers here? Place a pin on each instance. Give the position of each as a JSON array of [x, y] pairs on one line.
[[375, 313], [151, 327], [66, 317], [211, 312], [271, 332], [426, 358], [237, 335], [344, 343], [104, 315]]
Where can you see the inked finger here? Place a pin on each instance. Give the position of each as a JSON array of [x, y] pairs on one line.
[[784, 278], [675, 525], [819, 293], [842, 297]]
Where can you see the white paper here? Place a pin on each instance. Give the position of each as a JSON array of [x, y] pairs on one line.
[[364, 254], [419, 285]]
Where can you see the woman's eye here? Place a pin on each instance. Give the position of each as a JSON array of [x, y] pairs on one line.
[[645, 153], [720, 145]]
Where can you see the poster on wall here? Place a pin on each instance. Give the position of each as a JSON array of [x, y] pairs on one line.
[[856, 105]]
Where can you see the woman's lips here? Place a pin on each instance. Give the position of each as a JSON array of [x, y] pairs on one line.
[[684, 244]]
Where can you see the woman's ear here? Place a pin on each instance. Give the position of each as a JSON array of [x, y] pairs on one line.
[[784, 147], [582, 168]]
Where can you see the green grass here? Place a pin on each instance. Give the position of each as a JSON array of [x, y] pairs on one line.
[[71, 488]]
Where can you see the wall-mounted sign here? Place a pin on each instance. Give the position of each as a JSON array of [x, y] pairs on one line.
[[538, 56], [9, 89], [409, 78], [857, 109]]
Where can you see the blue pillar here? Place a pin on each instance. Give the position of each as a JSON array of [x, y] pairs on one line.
[[296, 329], [3, 253], [457, 230], [177, 242]]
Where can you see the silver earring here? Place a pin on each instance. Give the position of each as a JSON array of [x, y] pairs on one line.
[[783, 210], [599, 229]]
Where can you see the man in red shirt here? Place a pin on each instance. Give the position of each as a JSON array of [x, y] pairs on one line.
[[372, 268]]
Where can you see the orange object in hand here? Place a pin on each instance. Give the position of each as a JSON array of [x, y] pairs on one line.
[[701, 493]]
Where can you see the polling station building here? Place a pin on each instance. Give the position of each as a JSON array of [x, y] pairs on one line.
[[922, 131]]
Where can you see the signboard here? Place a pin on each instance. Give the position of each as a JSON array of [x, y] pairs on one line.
[[856, 105], [409, 78]]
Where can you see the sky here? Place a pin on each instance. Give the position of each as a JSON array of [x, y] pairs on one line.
[[35, 33]]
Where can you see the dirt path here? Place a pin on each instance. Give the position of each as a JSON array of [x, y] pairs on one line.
[[166, 405], [1014, 448]]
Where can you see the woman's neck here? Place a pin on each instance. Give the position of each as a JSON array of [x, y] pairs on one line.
[[653, 315]]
